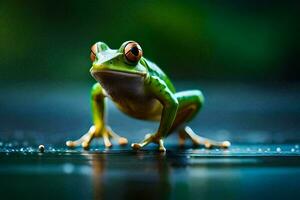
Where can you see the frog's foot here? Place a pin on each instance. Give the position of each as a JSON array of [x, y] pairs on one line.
[[111, 134], [87, 138], [84, 141], [198, 140], [150, 139]]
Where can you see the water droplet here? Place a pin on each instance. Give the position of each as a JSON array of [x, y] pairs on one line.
[[30, 149], [41, 148], [278, 149]]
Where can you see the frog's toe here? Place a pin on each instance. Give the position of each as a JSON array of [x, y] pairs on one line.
[[108, 144], [112, 134], [71, 144], [136, 146], [106, 141], [123, 141], [161, 146], [150, 138], [76, 143], [84, 141], [162, 149], [225, 144], [207, 144], [85, 145]]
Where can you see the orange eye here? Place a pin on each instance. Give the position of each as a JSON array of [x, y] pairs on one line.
[[133, 52], [93, 52]]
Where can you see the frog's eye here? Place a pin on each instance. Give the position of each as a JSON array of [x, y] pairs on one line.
[[94, 50], [133, 52]]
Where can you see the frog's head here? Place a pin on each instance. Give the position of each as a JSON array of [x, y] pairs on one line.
[[125, 61]]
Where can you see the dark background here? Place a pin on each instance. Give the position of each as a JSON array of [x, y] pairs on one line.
[[242, 55], [49, 41]]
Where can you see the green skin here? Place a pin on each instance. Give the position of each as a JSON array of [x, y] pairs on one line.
[[143, 91]]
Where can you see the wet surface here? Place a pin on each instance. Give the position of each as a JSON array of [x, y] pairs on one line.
[[243, 171], [263, 163]]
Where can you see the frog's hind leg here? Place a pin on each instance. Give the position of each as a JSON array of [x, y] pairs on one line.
[[190, 102], [198, 140]]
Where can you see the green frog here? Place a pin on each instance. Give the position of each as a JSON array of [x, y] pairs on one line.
[[140, 89]]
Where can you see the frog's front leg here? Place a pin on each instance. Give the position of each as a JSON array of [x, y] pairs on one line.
[[99, 129], [160, 90]]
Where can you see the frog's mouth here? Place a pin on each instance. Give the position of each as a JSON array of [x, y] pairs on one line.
[[106, 76]]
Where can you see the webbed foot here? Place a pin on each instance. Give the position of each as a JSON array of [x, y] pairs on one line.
[[198, 140], [93, 132], [150, 139]]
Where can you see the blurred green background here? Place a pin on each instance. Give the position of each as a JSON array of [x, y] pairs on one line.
[[205, 40]]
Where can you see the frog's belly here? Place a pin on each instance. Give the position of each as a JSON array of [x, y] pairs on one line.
[[128, 93]]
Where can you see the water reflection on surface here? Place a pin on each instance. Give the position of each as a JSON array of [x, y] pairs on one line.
[[142, 176], [242, 172]]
